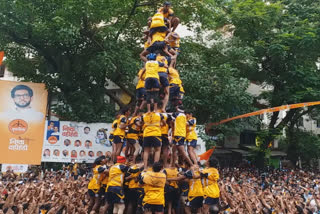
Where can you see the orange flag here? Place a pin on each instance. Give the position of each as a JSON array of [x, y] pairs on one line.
[[1, 56], [207, 154]]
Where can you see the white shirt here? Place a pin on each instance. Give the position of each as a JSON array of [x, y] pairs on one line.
[[26, 114]]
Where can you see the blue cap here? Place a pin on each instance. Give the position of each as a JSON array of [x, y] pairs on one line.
[[151, 56]]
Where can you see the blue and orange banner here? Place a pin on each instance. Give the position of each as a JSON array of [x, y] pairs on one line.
[[67, 141], [22, 120]]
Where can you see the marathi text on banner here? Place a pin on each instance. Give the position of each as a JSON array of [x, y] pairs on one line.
[[22, 115], [66, 141]]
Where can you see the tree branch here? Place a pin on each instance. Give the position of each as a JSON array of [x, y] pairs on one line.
[[145, 4], [132, 12], [274, 119], [287, 118], [33, 45], [133, 9], [86, 31], [297, 116], [114, 98]]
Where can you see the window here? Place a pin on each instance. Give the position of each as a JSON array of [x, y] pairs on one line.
[[248, 137]]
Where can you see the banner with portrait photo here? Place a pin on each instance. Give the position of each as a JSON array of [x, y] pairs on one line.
[[66, 141], [22, 118], [16, 168]]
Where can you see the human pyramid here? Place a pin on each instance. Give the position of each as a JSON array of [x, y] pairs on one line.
[[140, 181]]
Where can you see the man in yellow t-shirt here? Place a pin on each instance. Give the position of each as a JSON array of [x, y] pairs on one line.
[[114, 189], [164, 135], [179, 135], [140, 91], [113, 128], [94, 184], [175, 85], [172, 189], [191, 137], [158, 24], [151, 135], [169, 14], [155, 43], [135, 191], [210, 177], [163, 77], [154, 182], [152, 83], [195, 193], [132, 137], [173, 41], [119, 133]]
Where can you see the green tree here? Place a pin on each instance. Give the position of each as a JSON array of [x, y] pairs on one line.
[[283, 38], [214, 88], [303, 144], [75, 47]]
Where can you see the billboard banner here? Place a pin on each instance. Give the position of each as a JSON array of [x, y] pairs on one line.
[[16, 168], [66, 141], [22, 118]]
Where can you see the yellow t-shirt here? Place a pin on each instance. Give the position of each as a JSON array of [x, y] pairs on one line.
[[94, 183], [152, 68], [180, 125], [162, 59], [195, 185], [174, 42], [191, 126], [174, 77], [165, 126], [116, 175], [120, 132], [158, 37], [172, 173], [210, 184], [140, 83], [167, 14], [152, 123], [133, 129], [113, 126], [157, 21], [133, 183], [154, 183]]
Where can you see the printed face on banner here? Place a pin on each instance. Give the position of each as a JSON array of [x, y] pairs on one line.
[[22, 115], [16, 168], [75, 142]]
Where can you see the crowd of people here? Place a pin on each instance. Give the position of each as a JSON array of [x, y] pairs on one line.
[[242, 190], [246, 190]]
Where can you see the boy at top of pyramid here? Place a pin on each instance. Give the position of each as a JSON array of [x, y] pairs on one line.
[[159, 27], [168, 13]]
